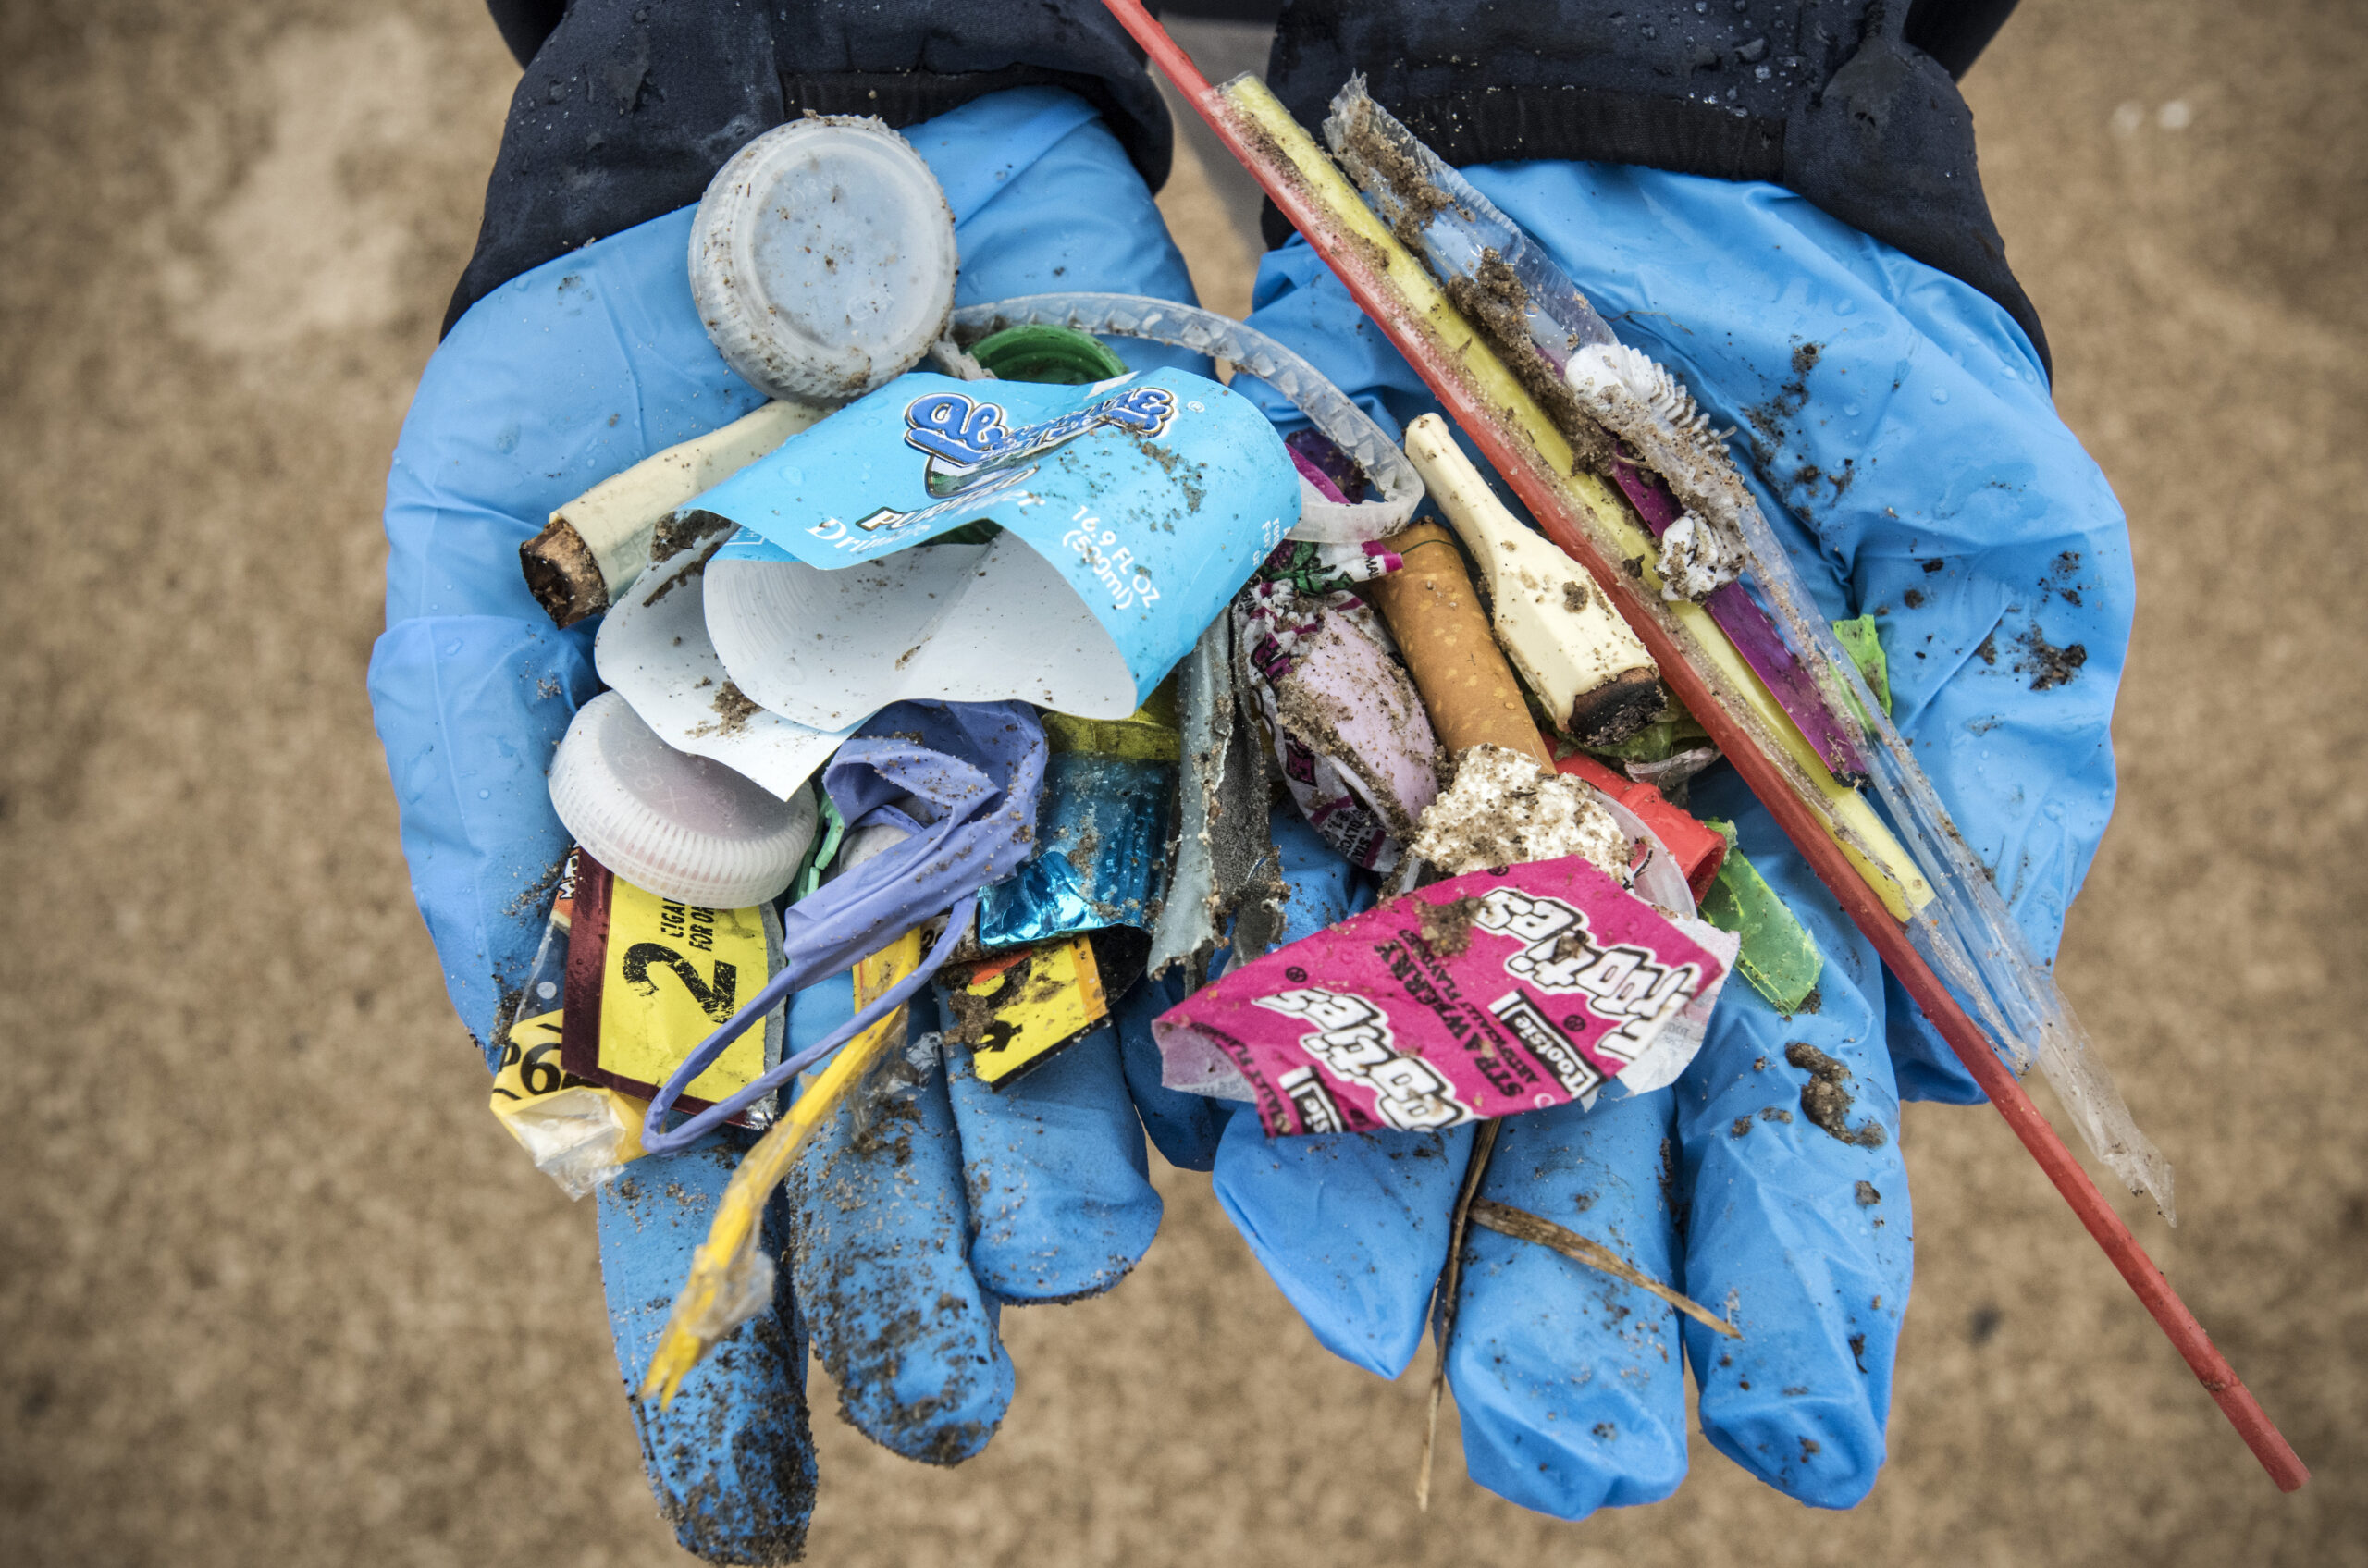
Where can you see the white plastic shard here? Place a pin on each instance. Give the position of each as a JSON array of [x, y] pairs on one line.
[[822, 258], [683, 827], [1227, 874], [827, 649], [654, 649]]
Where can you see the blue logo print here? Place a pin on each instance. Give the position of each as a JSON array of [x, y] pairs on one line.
[[966, 436]]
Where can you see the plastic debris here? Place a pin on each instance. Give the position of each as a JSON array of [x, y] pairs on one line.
[[1577, 655], [1101, 836], [960, 781], [578, 1132], [648, 977], [1016, 1010], [1391, 491], [1126, 517], [595, 547], [1779, 957], [822, 259], [685, 827], [1226, 871], [1862, 641], [1482, 996], [1696, 848], [1349, 735], [655, 652], [730, 1278], [1970, 937], [1628, 417], [1054, 355]]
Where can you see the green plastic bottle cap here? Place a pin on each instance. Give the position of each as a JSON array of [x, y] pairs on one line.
[[1060, 356], [684, 827], [822, 259]]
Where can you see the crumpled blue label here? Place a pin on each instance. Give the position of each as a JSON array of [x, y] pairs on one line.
[[1154, 495]]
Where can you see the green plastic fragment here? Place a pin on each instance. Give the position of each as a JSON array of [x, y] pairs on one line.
[[1059, 357], [1779, 958], [1865, 650], [828, 828]]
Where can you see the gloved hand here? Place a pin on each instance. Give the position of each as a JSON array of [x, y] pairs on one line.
[[1903, 442], [570, 372]]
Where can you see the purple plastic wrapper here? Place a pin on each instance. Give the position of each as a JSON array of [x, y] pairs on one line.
[[1355, 747]]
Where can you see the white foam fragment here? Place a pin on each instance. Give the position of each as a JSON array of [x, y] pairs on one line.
[[1506, 808]]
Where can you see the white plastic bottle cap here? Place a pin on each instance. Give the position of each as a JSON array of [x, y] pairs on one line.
[[684, 827], [822, 259]]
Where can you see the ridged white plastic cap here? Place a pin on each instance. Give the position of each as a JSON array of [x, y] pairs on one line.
[[684, 827], [822, 259]]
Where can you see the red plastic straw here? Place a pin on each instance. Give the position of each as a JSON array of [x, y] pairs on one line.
[[1858, 900]]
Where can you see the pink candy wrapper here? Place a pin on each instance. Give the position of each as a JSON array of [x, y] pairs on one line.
[[1483, 995]]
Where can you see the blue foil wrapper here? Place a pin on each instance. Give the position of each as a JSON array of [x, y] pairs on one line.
[[1102, 829]]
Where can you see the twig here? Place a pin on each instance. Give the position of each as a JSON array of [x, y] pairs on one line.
[[1524, 1225], [1450, 1278]]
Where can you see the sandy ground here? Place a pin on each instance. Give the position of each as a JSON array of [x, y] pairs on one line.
[[277, 1289]]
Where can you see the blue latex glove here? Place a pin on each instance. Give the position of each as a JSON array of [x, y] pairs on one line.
[[567, 375], [1907, 452]]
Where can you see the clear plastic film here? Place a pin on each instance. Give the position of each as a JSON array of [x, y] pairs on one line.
[[1186, 327]]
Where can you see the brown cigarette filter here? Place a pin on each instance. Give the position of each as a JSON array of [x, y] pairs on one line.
[[563, 574], [1471, 692]]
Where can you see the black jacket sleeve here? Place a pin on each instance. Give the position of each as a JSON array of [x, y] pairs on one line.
[[1832, 99], [628, 107]]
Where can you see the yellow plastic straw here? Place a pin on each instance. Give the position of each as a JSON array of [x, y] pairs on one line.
[[705, 1308]]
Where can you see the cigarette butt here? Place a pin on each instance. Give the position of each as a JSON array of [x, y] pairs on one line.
[[595, 546], [563, 574], [1471, 695]]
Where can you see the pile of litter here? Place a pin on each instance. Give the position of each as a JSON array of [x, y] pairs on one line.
[[977, 658]]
